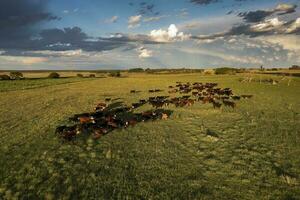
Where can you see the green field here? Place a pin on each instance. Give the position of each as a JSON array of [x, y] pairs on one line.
[[256, 154]]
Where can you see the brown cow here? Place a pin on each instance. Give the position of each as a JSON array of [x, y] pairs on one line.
[[100, 107], [86, 120]]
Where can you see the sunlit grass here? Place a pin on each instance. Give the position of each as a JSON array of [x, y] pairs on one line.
[[253, 153]]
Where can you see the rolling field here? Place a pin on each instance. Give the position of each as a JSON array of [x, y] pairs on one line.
[[254, 152]]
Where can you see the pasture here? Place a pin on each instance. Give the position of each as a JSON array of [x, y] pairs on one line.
[[249, 152]]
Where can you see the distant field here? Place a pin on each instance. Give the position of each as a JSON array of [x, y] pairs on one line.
[[256, 154]]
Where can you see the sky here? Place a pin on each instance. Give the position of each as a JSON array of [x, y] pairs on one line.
[[123, 34]]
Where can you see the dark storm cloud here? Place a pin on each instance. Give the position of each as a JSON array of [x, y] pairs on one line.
[[20, 30], [72, 39], [260, 15], [67, 35], [255, 16], [19, 18]]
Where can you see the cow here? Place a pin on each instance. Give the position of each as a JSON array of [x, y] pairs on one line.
[[236, 97], [100, 107], [216, 104], [229, 103], [86, 120]]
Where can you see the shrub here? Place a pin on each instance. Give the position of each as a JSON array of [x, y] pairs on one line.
[[92, 76], [4, 77], [225, 70], [80, 75], [53, 75], [16, 75]]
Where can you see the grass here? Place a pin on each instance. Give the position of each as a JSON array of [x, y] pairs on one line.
[[251, 152], [10, 85]]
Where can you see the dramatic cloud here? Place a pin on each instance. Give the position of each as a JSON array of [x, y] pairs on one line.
[[134, 21], [199, 39], [255, 16], [258, 23], [171, 34], [19, 18], [260, 15]]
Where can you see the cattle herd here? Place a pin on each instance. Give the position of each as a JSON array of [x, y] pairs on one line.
[[113, 114]]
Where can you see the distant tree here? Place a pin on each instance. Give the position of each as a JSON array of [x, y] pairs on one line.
[[225, 70], [16, 75], [136, 70], [92, 75], [4, 77], [53, 75], [295, 67]]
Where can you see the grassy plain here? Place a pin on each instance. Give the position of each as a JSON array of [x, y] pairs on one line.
[[255, 156]]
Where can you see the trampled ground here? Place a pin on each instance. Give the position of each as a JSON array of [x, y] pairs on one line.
[[255, 156]]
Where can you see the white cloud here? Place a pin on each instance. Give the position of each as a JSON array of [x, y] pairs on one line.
[[156, 18], [295, 26], [134, 21], [267, 25], [169, 35], [69, 53], [289, 42], [145, 53], [284, 7], [70, 11], [278, 26]]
